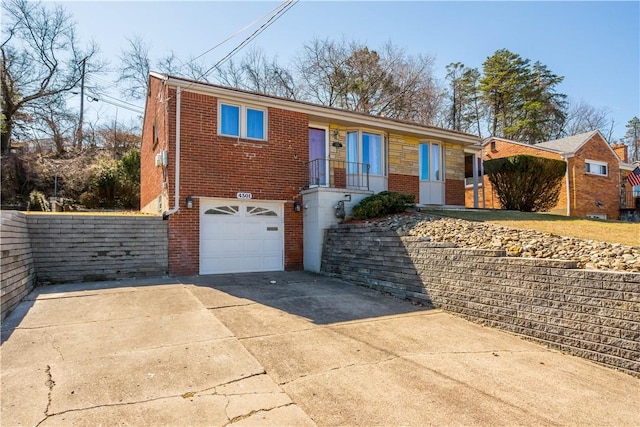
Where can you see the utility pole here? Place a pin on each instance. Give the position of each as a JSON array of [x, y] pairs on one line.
[[79, 134]]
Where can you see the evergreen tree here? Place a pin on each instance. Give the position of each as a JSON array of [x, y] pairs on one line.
[[521, 99], [504, 82], [632, 139]]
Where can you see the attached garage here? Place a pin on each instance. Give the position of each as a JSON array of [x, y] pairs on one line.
[[241, 236]]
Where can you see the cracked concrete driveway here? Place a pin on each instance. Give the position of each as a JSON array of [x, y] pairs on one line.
[[282, 349]]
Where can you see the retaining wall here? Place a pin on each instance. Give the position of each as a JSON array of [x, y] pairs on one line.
[[78, 248], [17, 272], [592, 314]]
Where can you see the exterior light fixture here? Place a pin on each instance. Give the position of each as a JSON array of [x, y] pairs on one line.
[[297, 207], [336, 136], [189, 201], [599, 203]]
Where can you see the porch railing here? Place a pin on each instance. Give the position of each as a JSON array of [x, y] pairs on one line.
[[334, 173]]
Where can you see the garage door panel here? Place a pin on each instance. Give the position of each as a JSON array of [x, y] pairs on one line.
[[241, 236], [271, 246], [222, 247], [252, 229]]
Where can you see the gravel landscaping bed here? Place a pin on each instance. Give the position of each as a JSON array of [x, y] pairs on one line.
[[589, 254]]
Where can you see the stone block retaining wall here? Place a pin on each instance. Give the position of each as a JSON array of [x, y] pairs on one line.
[[78, 248], [17, 271], [56, 248], [592, 314]]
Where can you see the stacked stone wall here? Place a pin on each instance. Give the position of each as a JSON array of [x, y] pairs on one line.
[[77, 248], [592, 314], [17, 271]]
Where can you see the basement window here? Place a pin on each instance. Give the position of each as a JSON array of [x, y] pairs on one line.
[[593, 167]]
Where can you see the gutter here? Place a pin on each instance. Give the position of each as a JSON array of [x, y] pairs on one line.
[[339, 116], [176, 207]]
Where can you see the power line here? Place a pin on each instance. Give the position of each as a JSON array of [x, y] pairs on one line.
[[117, 104], [289, 4], [119, 100], [240, 31]]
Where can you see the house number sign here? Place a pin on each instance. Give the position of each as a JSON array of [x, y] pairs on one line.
[[246, 196]]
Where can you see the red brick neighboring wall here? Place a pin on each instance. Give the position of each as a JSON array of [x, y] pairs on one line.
[[621, 151], [454, 192], [506, 149], [155, 114], [219, 166], [408, 184], [587, 188]]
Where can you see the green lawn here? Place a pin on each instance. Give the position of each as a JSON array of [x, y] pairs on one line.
[[625, 233]]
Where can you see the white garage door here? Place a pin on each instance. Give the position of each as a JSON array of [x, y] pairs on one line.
[[241, 236]]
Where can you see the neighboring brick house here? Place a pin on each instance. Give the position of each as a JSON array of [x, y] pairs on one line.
[[592, 184], [250, 182]]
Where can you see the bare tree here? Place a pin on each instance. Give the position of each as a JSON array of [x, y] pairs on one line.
[[134, 69], [56, 121], [136, 64], [388, 82], [320, 67], [190, 69], [40, 59], [257, 73], [583, 117]]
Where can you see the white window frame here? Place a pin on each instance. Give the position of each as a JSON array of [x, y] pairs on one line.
[[242, 118], [359, 153], [430, 171], [596, 216], [589, 166]]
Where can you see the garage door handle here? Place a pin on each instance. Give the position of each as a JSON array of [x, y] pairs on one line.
[[272, 228]]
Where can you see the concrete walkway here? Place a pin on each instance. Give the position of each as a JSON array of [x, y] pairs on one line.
[[283, 349]]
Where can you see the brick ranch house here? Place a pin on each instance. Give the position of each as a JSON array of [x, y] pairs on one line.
[[249, 182], [593, 185]]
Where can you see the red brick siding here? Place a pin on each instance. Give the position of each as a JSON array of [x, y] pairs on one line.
[[587, 188], [506, 149], [155, 113], [621, 151], [408, 184], [454, 192], [218, 166]]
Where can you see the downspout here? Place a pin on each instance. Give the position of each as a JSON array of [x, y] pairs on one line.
[[176, 208], [566, 159]]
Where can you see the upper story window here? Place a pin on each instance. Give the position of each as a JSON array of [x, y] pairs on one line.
[[596, 168], [242, 121], [366, 148]]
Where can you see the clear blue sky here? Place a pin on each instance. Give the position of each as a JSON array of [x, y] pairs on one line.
[[594, 45]]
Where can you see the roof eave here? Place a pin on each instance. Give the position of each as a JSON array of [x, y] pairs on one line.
[[323, 112]]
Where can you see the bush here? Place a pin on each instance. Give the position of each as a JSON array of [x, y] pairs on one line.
[[526, 183], [381, 204], [38, 202]]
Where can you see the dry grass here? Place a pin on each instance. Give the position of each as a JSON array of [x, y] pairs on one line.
[[90, 213], [625, 233]]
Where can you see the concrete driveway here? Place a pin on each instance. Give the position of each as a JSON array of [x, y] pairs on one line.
[[283, 349]]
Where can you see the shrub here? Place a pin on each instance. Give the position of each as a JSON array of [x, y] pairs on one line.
[[381, 204], [526, 183], [38, 202]]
